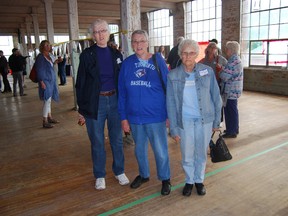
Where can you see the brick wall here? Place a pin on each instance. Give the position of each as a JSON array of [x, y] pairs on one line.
[[231, 25], [266, 80]]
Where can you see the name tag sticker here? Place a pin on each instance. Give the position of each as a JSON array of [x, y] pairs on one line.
[[203, 72]]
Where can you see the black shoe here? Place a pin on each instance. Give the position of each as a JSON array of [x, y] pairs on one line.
[[200, 189], [138, 181], [166, 187], [229, 135], [225, 131], [187, 190], [23, 95]]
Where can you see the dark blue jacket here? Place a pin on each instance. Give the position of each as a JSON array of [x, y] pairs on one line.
[[88, 83]]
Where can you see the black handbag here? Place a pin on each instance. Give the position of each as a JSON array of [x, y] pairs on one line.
[[219, 151]]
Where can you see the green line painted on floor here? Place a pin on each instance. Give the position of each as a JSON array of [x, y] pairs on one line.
[[144, 199]]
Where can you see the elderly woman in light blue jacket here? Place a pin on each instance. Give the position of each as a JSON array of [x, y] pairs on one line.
[[194, 111]]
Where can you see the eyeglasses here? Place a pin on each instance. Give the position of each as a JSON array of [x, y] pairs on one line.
[[102, 31], [139, 42], [190, 54]]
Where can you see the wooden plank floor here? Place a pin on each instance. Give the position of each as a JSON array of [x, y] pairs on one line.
[[49, 172]]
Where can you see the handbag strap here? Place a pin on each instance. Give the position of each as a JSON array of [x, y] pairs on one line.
[[220, 133], [159, 72]]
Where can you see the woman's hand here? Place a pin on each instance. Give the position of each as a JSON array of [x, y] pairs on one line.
[[81, 120], [177, 139], [43, 86], [125, 126]]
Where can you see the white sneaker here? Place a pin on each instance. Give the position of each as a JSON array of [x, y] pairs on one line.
[[123, 180], [100, 184]]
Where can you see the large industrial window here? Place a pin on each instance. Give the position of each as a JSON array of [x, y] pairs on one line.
[[160, 30], [203, 20], [264, 33]]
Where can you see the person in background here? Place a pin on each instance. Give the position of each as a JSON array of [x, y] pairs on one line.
[[62, 70], [213, 59], [97, 98], [4, 72], [216, 62], [16, 62], [161, 50], [47, 87], [194, 111], [173, 58], [231, 88], [142, 108], [216, 42]]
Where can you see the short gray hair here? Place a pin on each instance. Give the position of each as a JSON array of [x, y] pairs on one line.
[[233, 46], [140, 32], [188, 43], [97, 23]]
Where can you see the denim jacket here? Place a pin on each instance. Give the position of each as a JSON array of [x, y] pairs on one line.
[[208, 95]]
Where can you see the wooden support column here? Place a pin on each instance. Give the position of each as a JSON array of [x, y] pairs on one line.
[[28, 23], [130, 21], [74, 35], [49, 20], [36, 27]]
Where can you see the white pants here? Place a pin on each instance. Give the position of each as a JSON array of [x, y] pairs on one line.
[[46, 107]]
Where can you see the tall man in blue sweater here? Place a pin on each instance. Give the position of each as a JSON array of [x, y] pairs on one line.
[[142, 107], [96, 91]]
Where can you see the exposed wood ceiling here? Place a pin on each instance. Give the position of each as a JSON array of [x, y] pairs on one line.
[[15, 13]]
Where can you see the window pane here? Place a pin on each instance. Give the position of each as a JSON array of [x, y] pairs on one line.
[[258, 47], [255, 19], [284, 15], [245, 33], [212, 25], [283, 31], [277, 60], [246, 20], [258, 60], [278, 47], [275, 4], [212, 13], [263, 32], [264, 18], [273, 31], [246, 6], [274, 16], [254, 33], [264, 4], [284, 3], [255, 5]]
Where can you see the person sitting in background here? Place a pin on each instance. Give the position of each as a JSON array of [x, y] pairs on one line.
[[231, 88]]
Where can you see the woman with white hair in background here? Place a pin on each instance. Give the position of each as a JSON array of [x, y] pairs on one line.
[[231, 88], [194, 111]]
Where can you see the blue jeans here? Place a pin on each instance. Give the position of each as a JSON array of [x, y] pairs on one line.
[[195, 140], [231, 117], [156, 133], [107, 110]]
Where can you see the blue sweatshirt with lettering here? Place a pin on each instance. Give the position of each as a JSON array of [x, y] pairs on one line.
[[142, 99]]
